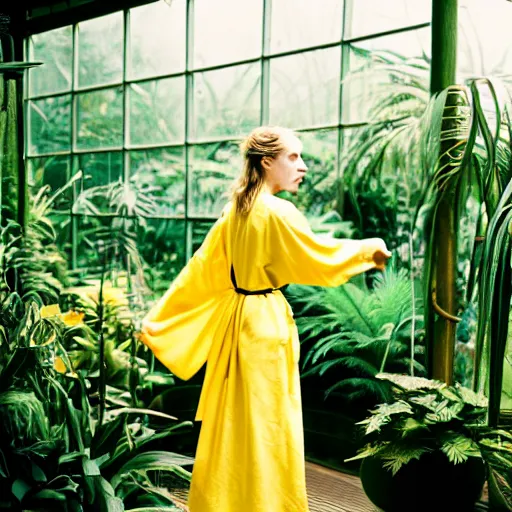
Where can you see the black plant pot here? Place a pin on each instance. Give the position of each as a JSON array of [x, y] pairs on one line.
[[431, 483]]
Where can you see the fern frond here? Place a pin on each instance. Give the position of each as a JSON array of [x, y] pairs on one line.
[[348, 362], [458, 448], [398, 458], [356, 387], [397, 454]]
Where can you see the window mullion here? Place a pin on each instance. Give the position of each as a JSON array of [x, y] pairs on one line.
[[73, 138], [126, 116], [189, 118]]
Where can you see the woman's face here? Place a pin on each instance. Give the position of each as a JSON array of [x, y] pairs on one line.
[[286, 171]]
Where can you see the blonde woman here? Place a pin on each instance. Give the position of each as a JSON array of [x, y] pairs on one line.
[[226, 309]]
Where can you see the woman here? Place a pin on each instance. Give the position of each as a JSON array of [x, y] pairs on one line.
[[226, 309]]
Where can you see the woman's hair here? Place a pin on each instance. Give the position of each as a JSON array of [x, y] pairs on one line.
[[266, 141]]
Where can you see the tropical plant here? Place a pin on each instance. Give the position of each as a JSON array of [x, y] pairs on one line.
[[58, 450], [426, 416], [474, 168], [116, 224], [458, 146], [494, 300], [31, 263], [353, 333], [382, 175], [54, 451]]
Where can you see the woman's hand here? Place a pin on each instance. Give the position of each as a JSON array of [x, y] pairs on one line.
[[381, 255]]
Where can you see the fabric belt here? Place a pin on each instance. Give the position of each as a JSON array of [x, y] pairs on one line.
[[252, 292]]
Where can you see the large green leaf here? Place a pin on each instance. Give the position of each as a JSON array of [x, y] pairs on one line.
[[155, 461]]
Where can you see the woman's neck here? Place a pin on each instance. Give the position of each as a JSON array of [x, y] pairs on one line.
[[268, 188]]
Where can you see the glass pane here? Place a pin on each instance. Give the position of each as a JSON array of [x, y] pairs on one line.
[[318, 192], [50, 125], [227, 31], [99, 169], [364, 17], [213, 168], [55, 49], [162, 246], [53, 171], [199, 231], [119, 236], [157, 111], [227, 101], [100, 50], [62, 225], [163, 172], [371, 79], [484, 47], [103, 243], [298, 24], [304, 89], [90, 230], [157, 39], [100, 119]]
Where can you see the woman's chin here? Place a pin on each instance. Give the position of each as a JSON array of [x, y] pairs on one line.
[[293, 189]]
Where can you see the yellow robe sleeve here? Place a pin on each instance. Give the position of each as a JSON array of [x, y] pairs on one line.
[[299, 256], [179, 328]]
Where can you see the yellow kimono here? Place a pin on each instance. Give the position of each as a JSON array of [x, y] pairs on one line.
[[250, 456]]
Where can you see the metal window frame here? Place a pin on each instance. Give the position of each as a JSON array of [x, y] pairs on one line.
[[190, 139]]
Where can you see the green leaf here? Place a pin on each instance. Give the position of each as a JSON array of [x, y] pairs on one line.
[[383, 415], [101, 460], [155, 461], [396, 455], [105, 498], [4, 470], [411, 425], [37, 473], [410, 383], [149, 412], [161, 379], [500, 489], [50, 494], [20, 488], [444, 412], [70, 457], [106, 437], [458, 448], [395, 463], [367, 451], [472, 398], [90, 468]]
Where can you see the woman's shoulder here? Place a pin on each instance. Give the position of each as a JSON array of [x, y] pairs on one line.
[[276, 206]]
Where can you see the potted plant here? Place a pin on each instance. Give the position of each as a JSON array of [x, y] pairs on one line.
[[429, 448]]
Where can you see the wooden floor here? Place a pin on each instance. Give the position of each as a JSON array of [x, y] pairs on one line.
[[328, 491], [331, 491]]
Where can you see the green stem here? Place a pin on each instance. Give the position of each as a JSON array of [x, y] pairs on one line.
[[441, 331]]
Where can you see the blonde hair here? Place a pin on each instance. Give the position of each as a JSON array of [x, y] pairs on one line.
[[265, 141]]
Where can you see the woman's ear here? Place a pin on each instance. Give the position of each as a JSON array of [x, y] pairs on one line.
[[265, 163]]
